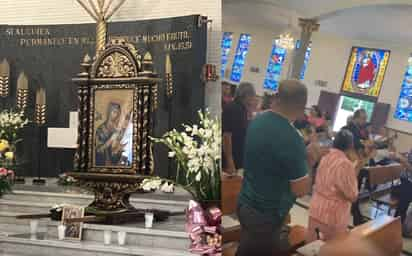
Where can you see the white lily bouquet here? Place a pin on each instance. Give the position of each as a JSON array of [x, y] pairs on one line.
[[197, 152], [10, 123]]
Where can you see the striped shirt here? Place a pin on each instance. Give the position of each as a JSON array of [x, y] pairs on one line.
[[335, 189]]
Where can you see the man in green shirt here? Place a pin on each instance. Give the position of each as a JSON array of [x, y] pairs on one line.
[[275, 172]]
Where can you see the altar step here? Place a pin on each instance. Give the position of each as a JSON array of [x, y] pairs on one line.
[[30, 202], [24, 246], [166, 238]]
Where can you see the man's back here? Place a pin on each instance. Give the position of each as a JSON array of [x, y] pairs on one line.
[[274, 155]]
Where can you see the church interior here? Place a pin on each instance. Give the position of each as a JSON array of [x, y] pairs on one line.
[[93, 99], [339, 50], [208, 127]]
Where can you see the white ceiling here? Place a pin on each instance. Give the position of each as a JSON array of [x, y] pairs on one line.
[[376, 23], [375, 20]]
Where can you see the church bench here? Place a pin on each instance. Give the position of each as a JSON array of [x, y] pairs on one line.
[[230, 191], [380, 175], [381, 235], [379, 230]]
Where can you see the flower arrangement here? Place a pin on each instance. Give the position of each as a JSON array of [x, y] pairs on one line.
[[10, 123], [56, 211], [66, 180], [6, 176], [156, 183], [196, 151]]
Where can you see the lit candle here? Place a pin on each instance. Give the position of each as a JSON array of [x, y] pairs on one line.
[[41, 97], [22, 91], [4, 78], [22, 82], [168, 65]]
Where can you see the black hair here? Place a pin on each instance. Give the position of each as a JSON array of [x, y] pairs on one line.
[[244, 90], [317, 110], [343, 140], [267, 100], [358, 113]]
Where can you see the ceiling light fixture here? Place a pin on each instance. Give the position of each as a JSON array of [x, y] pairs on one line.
[[286, 41]]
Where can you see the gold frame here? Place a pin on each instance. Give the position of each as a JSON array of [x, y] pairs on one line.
[[136, 140], [374, 91]]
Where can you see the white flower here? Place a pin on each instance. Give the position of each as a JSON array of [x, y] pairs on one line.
[[151, 184], [167, 188], [171, 154], [198, 176]]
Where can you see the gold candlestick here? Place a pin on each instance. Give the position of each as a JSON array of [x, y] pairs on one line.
[[22, 92], [101, 11], [169, 76], [40, 109], [4, 78]]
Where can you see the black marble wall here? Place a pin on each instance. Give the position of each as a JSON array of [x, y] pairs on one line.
[[51, 55]]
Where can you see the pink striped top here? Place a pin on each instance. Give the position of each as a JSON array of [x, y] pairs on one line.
[[335, 189]]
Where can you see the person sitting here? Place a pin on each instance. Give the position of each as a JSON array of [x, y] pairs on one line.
[[405, 189], [356, 126], [335, 189], [316, 119]]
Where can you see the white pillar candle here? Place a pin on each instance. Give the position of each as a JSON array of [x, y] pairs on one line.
[[121, 237], [107, 234], [148, 219], [61, 230], [34, 225]]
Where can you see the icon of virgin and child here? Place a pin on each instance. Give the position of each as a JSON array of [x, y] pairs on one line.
[[114, 137]]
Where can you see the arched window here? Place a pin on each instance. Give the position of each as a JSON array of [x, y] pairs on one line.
[[240, 57], [306, 61], [226, 45], [274, 68], [404, 107]]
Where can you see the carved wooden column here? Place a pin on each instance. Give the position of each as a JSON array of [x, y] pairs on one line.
[[308, 27]]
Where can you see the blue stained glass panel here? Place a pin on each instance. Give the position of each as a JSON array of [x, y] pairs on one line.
[[274, 68], [226, 45], [404, 107], [240, 57], [306, 61]]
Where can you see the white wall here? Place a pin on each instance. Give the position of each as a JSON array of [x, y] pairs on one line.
[[328, 62], [259, 52], [35, 12]]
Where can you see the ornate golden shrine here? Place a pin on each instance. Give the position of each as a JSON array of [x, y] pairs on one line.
[[118, 73]]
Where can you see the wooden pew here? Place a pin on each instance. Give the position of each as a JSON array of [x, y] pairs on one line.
[[383, 235], [230, 191], [385, 232], [383, 174]]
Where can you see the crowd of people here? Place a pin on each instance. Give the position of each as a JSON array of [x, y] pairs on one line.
[[284, 153]]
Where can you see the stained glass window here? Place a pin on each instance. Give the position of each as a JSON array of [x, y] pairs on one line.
[[274, 68], [226, 45], [404, 107], [240, 57], [306, 61]]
